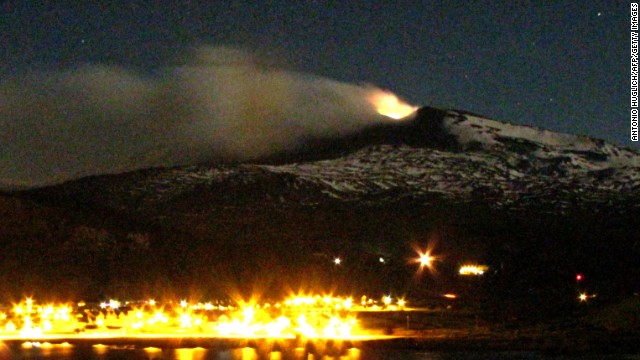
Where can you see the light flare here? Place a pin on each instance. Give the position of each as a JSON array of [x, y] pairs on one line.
[[425, 258]]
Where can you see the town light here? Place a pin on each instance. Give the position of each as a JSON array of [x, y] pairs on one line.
[[425, 260], [473, 269]]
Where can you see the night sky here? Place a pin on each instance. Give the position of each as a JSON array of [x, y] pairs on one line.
[[561, 65]]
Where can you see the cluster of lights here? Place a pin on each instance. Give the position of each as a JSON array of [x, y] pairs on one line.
[[308, 316], [338, 260], [337, 303], [386, 303], [583, 296], [426, 260], [30, 320], [473, 270]]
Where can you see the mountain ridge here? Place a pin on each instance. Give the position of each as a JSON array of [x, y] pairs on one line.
[[483, 190], [445, 152]]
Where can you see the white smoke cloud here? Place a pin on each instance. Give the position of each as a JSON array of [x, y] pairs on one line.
[[219, 103]]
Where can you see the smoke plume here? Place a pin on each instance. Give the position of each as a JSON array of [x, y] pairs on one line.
[[221, 103]]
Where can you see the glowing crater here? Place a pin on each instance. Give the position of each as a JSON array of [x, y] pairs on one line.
[[389, 105]]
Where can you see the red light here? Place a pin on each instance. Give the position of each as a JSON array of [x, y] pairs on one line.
[[578, 277]]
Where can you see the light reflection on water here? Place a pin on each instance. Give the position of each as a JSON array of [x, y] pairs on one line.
[[128, 352], [99, 352]]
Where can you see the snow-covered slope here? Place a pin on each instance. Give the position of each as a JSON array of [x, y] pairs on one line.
[[446, 155], [415, 172], [582, 153]]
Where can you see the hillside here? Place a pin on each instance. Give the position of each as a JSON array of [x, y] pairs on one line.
[[536, 206]]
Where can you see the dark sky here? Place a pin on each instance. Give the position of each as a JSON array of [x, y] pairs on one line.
[[561, 65]]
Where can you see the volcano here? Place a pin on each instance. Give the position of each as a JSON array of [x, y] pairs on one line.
[[534, 205]]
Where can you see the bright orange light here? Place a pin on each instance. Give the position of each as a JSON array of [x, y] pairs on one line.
[[309, 316], [425, 260], [473, 269], [450, 296], [388, 104]]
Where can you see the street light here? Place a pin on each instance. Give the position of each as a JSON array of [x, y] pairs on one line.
[[425, 260]]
